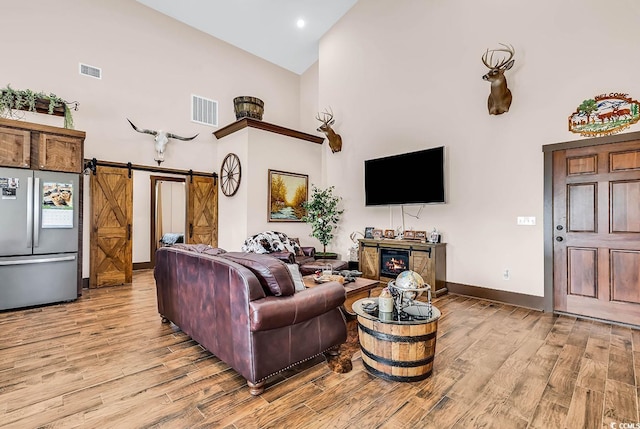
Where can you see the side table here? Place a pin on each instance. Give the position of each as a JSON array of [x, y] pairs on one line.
[[394, 349]]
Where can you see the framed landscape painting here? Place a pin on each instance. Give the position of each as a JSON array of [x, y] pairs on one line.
[[287, 193]]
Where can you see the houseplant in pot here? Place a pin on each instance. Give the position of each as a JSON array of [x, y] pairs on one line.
[[323, 215], [27, 100]]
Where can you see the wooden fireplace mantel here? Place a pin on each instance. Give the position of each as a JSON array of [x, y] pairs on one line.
[[261, 125]]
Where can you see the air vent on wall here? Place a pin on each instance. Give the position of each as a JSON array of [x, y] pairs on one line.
[[204, 110], [90, 71]]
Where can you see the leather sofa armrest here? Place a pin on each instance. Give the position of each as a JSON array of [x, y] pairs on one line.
[[309, 251], [287, 257], [277, 311]]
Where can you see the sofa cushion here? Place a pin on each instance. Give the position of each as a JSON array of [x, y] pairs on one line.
[[270, 241], [273, 274]]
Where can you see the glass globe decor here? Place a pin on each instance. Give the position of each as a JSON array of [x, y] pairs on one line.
[[407, 287]]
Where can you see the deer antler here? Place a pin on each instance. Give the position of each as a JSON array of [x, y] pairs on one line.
[[499, 64], [325, 114]]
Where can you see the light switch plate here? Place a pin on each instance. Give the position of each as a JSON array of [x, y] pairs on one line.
[[526, 220]]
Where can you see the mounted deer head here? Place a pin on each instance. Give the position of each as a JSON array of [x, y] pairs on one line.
[[161, 140], [500, 97], [335, 141]]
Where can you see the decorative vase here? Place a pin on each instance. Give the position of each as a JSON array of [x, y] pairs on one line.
[[248, 107]]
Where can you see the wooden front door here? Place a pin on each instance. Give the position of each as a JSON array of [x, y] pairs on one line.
[[596, 215], [202, 210], [111, 223]]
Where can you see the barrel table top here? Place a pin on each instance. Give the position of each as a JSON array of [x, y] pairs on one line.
[[414, 315]]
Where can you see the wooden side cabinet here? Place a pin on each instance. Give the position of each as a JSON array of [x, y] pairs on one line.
[[427, 259], [431, 265], [369, 261]]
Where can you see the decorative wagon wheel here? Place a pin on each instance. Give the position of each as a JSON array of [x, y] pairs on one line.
[[230, 174]]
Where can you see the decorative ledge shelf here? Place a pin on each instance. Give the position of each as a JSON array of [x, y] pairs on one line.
[[254, 123]]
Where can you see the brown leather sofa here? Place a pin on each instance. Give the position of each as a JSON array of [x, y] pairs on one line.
[[243, 308], [307, 261], [308, 255]]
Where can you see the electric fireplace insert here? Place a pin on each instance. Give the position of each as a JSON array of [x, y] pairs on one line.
[[393, 262]]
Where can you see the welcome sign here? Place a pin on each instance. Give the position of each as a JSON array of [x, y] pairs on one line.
[[604, 114]]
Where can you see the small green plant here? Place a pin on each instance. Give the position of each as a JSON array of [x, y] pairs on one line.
[[322, 214], [14, 99]]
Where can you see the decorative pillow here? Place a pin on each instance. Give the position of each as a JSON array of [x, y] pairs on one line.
[[297, 277], [272, 273], [270, 241], [296, 245]]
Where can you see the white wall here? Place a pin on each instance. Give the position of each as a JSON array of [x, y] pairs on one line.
[[276, 152], [406, 75], [233, 211], [151, 65], [399, 76], [245, 213]]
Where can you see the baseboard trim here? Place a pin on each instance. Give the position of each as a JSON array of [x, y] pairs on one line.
[[513, 298], [142, 266]]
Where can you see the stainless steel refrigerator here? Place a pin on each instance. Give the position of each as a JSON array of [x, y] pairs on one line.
[[38, 237]]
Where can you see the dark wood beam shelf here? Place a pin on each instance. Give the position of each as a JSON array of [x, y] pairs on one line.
[[261, 125]]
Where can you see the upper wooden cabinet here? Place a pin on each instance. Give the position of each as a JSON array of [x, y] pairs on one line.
[[15, 148], [60, 153], [40, 147]]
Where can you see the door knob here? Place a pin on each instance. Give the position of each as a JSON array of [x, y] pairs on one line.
[[559, 239]]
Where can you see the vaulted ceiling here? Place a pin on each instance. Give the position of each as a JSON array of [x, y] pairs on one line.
[[265, 28]]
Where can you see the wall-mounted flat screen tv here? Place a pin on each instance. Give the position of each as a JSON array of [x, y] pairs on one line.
[[408, 178]]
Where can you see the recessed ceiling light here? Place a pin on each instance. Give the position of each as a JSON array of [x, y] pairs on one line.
[[300, 23]]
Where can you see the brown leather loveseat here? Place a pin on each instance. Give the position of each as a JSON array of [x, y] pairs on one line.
[[244, 309]]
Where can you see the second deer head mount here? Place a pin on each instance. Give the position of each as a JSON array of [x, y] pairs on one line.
[[335, 141], [500, 96]]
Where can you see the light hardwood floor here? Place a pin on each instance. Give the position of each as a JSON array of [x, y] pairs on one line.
[[106, 360]]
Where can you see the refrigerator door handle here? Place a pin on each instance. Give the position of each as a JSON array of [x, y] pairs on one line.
[[36, 213], [38, 261], [29, 211]]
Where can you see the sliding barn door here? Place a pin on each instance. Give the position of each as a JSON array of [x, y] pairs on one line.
[[202, 210], [596, 215], [111, 224]]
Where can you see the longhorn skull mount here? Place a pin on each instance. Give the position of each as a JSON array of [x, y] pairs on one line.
[[161, 139]]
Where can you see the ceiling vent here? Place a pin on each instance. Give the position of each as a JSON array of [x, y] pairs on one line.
[[90, 71], [204, 111]]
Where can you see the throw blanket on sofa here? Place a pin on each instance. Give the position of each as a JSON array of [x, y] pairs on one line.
[[270, 241]]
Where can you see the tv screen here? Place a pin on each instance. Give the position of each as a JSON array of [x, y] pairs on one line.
[[408, 178]]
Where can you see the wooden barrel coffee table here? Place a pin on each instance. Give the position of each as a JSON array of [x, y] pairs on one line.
[[398, 350]]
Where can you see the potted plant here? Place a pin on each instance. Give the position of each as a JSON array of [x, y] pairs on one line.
[[15, 99], [323, 216]]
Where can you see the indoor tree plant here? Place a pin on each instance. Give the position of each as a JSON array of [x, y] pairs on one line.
[[323, 215]]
